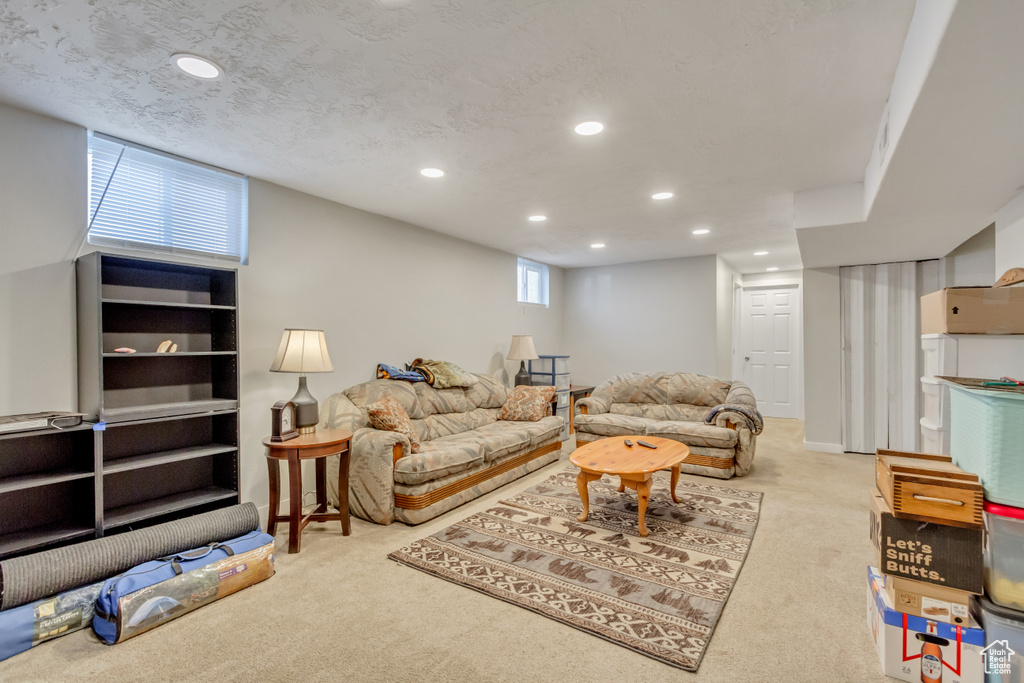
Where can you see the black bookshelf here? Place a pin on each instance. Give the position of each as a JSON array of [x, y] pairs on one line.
[[168, 445]]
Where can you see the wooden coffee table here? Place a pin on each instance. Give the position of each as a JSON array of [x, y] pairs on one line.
[[635, 467]]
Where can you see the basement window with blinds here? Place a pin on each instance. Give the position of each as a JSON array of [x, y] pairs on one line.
[[532, 283], [142, 198]]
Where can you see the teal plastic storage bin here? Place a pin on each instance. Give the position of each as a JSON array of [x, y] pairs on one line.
[[986, 437]]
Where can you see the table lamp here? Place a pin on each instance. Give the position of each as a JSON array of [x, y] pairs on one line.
[[303, 351], [522, 350]]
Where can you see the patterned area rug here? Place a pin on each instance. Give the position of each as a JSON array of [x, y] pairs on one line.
[[660, 596]]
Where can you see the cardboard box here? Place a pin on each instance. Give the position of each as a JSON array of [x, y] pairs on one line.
[[928, 600], [944, 555], [915, 649], [973, 310]]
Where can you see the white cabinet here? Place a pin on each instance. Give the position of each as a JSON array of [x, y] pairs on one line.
[[961, 355]]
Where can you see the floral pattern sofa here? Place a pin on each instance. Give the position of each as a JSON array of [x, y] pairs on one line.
[[673, 405], [465, 451]]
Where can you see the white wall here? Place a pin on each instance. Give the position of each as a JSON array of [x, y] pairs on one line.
[[972, 264], [639, 317], [822, 360], [42, 208], [726, 276], [1010, 235], [768, 278], [383, 290], [927, 28]]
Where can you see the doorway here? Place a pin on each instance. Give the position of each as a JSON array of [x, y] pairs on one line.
[[769, 349]]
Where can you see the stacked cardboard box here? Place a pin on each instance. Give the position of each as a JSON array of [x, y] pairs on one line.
[[927, 533]]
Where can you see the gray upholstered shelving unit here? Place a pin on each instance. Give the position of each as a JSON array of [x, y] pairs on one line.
[[169, 434]]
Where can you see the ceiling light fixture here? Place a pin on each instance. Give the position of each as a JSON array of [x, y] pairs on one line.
[[771, 270], [760, 253], [432, 172], [197, 66], [589, 128], [661, 195], [701, 231], [537, 219], [597, 245]]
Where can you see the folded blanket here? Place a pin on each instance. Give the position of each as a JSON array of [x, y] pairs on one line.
[[385, 371], [750, 415], [441, 374]]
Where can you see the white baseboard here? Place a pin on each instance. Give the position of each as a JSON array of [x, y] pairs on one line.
[[821, 447], [264, 511]]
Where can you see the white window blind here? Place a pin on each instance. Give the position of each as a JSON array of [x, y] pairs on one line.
[[532, 283], [145, 199]]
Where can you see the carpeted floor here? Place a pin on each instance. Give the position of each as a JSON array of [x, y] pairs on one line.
[[340, 610]]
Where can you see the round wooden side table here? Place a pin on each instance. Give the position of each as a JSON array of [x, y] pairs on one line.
[[316, 446]]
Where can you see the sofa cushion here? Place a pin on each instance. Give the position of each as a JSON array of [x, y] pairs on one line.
[[544, 430], [661, 411], [527, 403], [488, 392], [437, 459], [695, 390], [441, 401], [437, 426], [495, 440], [374, 390], [611, 424], [532, 434], [666, 388], [694, 433], [388, 415]]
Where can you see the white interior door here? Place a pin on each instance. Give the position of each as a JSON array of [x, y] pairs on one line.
[[769, 352]]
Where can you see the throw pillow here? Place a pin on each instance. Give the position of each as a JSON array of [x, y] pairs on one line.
[[388, 415], [527, 404]]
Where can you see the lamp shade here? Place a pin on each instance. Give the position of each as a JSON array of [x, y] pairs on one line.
[[522, 348], [302, 351]]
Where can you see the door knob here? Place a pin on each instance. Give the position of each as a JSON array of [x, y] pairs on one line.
[[746, 357]]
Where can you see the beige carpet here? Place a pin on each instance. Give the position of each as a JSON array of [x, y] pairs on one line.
[[341, 610]]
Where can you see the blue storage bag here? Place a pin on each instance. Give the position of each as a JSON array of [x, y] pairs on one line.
[[161, 590], [24, 627]]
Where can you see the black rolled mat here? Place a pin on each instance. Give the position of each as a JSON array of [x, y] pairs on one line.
[[39, 575]]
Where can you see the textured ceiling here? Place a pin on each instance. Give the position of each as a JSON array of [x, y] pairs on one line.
[[731, 104]]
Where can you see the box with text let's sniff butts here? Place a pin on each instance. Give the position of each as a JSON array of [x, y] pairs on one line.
[[947, 556], [916, 649]]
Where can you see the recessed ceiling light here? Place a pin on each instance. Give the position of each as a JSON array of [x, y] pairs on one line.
[[701, 231], [760, 253], [537, 219], [589, 128], [197, 66], [771, 270], [432, 172], [597, 245], [661, 195]]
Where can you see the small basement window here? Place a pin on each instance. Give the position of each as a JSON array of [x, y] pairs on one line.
[[142, 198], [532, 283]]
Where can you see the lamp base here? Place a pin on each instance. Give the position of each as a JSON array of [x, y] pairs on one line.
[[307, 410], [523, 377]]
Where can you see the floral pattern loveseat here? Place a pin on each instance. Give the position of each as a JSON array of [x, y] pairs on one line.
[[673, 405], [465, 451]]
